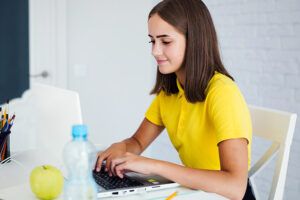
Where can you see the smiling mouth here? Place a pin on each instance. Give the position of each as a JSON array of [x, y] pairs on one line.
[[161, 61]]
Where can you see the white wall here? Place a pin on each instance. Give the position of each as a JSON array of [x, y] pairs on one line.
[[260, 42], [110, 64]]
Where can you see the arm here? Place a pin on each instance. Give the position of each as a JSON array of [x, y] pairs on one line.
[[136, 144], [230, 181], [143, 137]]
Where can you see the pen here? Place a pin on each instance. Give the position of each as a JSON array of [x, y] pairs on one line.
[[2, 152], [10, 125], [5, 127], [4, 118], [12, 118], [3, 142], [171, 196]]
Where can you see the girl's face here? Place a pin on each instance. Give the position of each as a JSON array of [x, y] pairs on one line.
[[168, 45]]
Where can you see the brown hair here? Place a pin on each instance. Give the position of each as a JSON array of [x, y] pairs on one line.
[[202, 56]]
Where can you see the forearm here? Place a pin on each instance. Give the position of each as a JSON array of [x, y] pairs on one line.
[[143, 137], [225, 183]]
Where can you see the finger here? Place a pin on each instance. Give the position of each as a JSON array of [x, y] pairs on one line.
[[112, 166], [101, 158], [107, 166], [120, 169], [114, 163], [119, 162]]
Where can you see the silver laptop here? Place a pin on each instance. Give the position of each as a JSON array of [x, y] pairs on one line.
[[132, 183]]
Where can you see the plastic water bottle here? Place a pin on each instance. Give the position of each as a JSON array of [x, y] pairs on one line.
[[79, 156]]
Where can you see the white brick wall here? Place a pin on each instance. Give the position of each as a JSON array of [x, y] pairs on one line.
[[260, 45]]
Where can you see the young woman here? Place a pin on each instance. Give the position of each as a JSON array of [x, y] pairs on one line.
[[198, 103]]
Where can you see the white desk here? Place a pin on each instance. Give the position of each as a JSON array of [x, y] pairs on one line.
[[14, 181]]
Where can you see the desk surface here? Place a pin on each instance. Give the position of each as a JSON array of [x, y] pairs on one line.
[[14, 182], [23, 192]]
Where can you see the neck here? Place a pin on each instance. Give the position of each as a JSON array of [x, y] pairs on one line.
[[181, 77]]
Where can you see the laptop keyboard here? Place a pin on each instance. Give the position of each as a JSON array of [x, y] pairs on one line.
[[113, 182]]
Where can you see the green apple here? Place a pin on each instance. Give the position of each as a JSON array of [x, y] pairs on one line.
[[46, 182]]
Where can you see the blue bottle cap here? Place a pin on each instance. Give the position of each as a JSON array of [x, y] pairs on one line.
[[79, 131]]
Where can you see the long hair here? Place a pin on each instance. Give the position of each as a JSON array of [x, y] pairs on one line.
[[202, 56]]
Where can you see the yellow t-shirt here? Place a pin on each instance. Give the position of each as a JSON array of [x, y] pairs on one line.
[[195, 129]]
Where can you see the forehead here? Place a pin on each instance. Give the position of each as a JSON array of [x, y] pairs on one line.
[[157, 26]]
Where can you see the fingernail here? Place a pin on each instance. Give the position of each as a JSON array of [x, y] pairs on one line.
[[106, 169], [98, 169]]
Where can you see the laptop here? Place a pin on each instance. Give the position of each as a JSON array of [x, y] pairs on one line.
[[132, 183]]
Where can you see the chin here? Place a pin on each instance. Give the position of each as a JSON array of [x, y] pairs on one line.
[[165, 70]]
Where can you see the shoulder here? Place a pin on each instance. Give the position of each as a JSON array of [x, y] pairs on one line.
[[224, 94], [220, 81]]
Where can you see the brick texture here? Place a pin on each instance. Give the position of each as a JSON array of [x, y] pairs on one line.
[[260, 46]]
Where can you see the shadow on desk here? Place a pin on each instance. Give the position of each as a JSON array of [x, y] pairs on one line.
[[17, 171]]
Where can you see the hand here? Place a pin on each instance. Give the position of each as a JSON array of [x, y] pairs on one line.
[[132, 162], [116, 150]]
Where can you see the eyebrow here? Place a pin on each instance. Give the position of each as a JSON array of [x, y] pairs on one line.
[[159, 36]]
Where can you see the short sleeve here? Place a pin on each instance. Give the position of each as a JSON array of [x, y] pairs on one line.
[[229, 113], [153, 113]]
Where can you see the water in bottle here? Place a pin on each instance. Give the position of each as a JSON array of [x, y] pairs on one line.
[[79, 156]]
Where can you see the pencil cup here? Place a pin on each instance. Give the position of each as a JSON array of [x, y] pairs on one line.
[[4, 146]]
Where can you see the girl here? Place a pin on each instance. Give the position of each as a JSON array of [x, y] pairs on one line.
[[198, 103]]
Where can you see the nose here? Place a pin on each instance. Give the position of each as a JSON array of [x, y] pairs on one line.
[[156, 49]]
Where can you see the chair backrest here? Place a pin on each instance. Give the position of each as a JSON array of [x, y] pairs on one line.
[[278, 127], [44, 116]]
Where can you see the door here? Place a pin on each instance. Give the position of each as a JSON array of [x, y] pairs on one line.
[[48, 56]]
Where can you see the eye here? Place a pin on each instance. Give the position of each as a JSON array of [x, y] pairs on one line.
[[152, 41], [166, 42]]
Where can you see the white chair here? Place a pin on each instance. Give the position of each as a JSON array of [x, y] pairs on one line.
[[44, 117], [278, 127]]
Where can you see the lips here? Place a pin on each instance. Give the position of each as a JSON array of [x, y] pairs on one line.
[[159, 62]]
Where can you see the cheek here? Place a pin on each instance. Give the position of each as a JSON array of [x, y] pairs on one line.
[[176, 54]]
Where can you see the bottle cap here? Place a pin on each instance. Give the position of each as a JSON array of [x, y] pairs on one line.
[[79, 131]]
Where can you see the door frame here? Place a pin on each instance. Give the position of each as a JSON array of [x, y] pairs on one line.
[[48, 41]]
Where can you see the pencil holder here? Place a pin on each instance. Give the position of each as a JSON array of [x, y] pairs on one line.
[[4, 146]]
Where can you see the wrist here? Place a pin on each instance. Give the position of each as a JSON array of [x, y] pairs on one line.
[[138, 143], [120, 146], [132, 146]]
